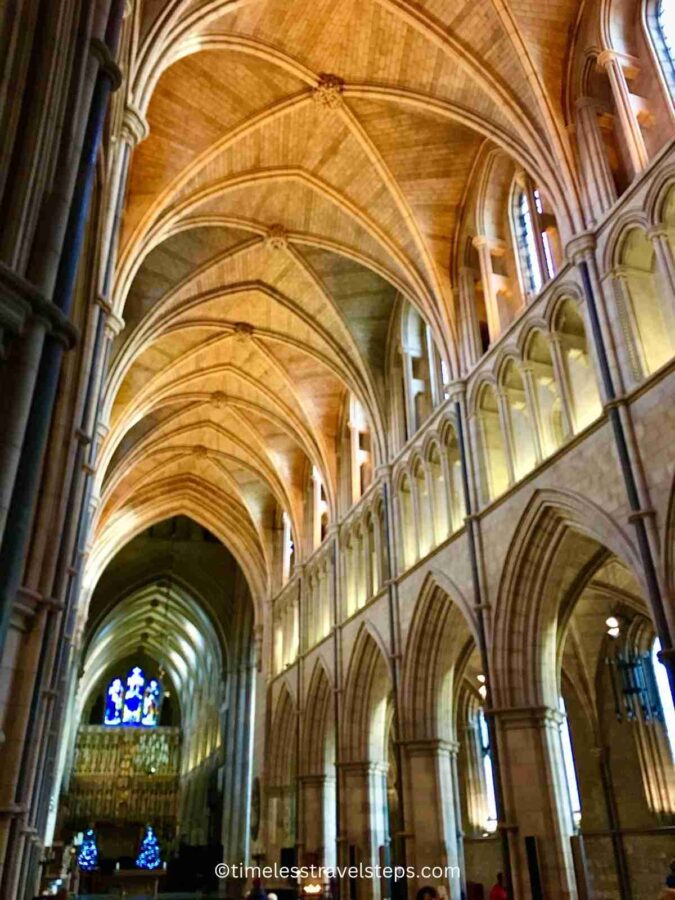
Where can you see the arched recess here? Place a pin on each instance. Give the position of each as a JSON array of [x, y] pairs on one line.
[[282, 774], [558, 534], [318, 771], [571, 612], [365, 758], [445, 748]]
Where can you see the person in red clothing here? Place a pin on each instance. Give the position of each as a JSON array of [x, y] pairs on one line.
[[498, 891]]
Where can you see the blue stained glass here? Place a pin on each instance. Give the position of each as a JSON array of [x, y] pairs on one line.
[[114, 702], [152, 699], [666, 20], [136, 702], [133, 697]]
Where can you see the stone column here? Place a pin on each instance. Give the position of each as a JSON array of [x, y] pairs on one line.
[[538, 802], [532, 404], [562, 380], [433, 825], [497, 318], [313, 796], [665, 265], [507, 434], [614, 64], [600, 187], [363, 820], [470, 329]]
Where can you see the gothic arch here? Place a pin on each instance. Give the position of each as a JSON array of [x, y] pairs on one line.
[[442, 626], [559, 534], [367, 692]]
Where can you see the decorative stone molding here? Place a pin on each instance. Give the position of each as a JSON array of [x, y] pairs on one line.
[[580, 246], [328, 92], [135, 126], [277, 237], [107, 64], [243, 331], [19, 299]]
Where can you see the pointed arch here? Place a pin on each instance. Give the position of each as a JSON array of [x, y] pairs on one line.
[[318, 737], [367, 691], [443, 625], [556, 545]]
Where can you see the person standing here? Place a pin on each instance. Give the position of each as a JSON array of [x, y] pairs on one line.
[[498, 891]]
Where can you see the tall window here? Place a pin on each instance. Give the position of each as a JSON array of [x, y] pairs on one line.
[[665, 17], [665, 696], [136, 703], [491, 823], [527, 247], [570, 768]]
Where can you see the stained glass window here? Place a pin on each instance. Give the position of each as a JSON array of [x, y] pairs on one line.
[[666, 19], [138, 702], [526, 244]]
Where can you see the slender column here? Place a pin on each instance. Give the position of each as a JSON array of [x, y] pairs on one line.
[[497, 318], [470, 329], [537, 797], [532, 402], [474, 544], [507, 432], [641, 514], [562, 380], [612, 62], [664, 261], [600, 187], [312, 824], [433, 825], [25, 490]]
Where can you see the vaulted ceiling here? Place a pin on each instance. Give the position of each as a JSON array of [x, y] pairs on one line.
[[305, 170]]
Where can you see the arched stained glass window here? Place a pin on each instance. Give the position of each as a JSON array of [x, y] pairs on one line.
[[665, 16], [137, 703], [527, 247]]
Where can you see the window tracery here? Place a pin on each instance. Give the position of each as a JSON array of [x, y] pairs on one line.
[[136, 703]]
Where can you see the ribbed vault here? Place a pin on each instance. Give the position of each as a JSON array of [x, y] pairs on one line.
[[274, 217]]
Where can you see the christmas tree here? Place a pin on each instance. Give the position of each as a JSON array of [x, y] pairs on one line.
[[87, 858], [148, 858]]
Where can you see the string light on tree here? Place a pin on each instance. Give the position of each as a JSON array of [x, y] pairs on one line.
[[149, 857], [87, 858]]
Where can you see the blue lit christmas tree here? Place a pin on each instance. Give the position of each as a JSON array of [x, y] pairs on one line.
[[87, 857], [148, 858]]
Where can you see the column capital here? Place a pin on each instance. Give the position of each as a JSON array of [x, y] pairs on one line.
[[135, 128], [430, 746], [516, 717], [580, 246], [456, 390], [586, 103]]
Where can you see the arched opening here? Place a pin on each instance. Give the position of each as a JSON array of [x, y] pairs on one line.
[[157, 735], [650, 311], [407, 520], [519, 420], [496, 476], [369, 791], [440, 495], [588, 639], [577, 365], [552, 421], [446, 734]]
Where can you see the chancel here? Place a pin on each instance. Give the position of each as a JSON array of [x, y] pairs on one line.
[[337, 480]]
